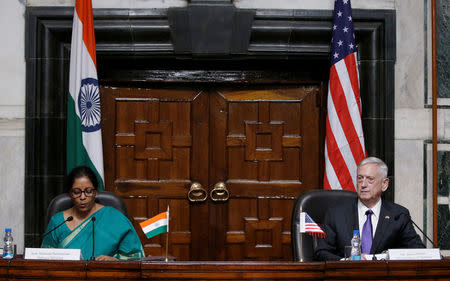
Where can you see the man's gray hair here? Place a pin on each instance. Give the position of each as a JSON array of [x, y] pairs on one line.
[[382, 167]]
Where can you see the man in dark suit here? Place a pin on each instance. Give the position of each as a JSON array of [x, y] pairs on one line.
[[382, 224]]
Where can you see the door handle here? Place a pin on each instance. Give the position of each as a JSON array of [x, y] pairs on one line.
[[197, 193], [220, 192]]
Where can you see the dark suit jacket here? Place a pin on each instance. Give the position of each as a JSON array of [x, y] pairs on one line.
[[394, 230]]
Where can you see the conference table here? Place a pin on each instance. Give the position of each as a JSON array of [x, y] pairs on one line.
[[20, 269]]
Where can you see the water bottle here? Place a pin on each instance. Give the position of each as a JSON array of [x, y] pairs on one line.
[[8, 251], [356, 246]]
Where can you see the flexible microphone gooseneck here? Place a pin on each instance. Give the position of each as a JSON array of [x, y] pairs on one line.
[[411, 220], [50, 231], [93, 239]]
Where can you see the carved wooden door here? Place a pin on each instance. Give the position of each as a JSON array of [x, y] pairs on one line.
[[265, 148], [249, 153]]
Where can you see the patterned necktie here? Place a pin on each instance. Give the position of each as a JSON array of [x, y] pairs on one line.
[[366, 242]]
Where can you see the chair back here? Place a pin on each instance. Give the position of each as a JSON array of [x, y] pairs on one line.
[[63, 202], [315, 203]]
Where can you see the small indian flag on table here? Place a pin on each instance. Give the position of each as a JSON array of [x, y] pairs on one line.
[[156, 225]]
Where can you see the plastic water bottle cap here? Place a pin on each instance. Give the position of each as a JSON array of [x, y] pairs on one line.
[[7, 229], [355, 232]]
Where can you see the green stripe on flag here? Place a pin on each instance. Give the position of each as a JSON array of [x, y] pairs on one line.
[[157, 231], [75, 151]]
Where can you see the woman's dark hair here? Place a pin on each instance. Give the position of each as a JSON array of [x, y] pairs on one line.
[[81, 171]]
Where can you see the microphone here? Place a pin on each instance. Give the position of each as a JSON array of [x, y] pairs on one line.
[[50, 231], [93, 239], [411, 220]]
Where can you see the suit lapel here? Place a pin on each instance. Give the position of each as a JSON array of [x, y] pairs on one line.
[[383, 224], [351, 221]]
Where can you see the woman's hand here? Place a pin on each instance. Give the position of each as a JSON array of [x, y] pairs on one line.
[[105, 258]]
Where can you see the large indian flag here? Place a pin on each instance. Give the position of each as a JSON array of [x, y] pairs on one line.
[[84, 137]]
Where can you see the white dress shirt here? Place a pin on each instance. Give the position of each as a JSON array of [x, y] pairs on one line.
[[362, 217]]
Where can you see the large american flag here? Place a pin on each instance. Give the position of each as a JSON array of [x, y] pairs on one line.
[[344, 145], [307, 225]]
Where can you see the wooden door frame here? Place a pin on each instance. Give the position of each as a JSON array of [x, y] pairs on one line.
[[282, 46]]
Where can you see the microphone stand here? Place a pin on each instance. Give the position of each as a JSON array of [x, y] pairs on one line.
[[53, 229], [411, 220], [432, 242], [93, 239], [70, 218], [426, 236]]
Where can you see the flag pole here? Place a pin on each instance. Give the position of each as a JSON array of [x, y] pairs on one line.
[[301, 236], [167, 235]]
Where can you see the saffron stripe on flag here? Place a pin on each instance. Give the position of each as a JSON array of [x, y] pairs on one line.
[[84, 12], [158, 224], [154, 219]]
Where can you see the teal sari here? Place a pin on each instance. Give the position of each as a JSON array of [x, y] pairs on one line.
[[114, 235]]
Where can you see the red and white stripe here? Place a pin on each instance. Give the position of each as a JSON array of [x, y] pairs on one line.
[[344, 145], [312, 227]]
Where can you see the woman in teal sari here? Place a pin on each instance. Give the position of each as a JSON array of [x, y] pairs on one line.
[[115, 237]]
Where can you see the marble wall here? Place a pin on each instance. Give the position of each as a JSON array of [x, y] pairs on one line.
[[443, 93], [12, 119], [409, 108], [413, 148], [443, 53], [444, 198], [412, 90]]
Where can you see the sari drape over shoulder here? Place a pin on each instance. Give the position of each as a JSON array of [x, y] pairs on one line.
[[114, 235]]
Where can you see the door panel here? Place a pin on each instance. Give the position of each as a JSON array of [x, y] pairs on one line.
[[151, 158], [265, 147], [263, 144]]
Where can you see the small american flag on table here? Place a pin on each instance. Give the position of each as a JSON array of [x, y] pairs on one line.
[[307, 225]]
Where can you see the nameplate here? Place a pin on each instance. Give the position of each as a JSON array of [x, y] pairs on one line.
[[52, 254], [414, 254]]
